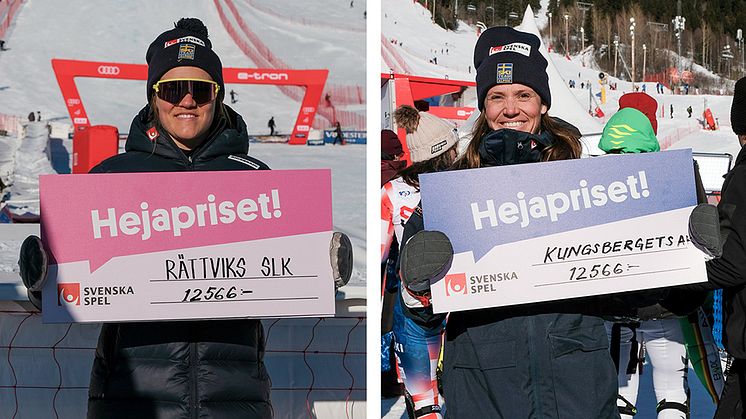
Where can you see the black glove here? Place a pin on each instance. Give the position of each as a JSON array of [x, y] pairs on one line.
[[681, 301], [33, 263], [340, 253], [426, 255], [652, 312], [704, 230]]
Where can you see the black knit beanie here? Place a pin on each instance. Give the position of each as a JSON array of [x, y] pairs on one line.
[[504, 55], [738, 108], [184, 45]]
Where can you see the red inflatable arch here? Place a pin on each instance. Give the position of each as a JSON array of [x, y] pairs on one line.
[[312, 80], [408, 89]]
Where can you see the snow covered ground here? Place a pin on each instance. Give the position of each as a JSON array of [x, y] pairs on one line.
[[328, 34], [121, 32], [408, 29]]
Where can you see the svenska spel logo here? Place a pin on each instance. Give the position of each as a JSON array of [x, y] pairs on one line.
[[68, 293], [456, 284]]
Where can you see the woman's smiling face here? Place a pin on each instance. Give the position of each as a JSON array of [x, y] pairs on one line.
[[514, 106], [186, 122]]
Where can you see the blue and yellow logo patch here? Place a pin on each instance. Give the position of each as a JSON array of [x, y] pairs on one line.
[[504, 73], [186, 52]]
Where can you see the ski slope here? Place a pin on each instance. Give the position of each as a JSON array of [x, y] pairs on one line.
[[121, 32], [418, 40], [410, 23], [317, 365]]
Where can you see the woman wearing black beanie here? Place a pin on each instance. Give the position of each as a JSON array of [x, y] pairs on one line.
[[531, 361], [179, 369]]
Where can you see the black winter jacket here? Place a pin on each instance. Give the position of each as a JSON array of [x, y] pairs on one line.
[[729, 271], [181, 369], [532, 361]]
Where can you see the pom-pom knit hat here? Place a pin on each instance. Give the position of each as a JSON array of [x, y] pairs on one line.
[[184, 45], [427, 135]]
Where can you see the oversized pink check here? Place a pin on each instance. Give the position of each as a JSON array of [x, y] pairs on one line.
[[190, 245]]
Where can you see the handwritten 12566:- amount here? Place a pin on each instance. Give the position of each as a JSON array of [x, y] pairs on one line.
[[578, 273], [212, 293]]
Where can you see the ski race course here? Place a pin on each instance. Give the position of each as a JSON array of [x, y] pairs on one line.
[[410, 42], [317, 365]]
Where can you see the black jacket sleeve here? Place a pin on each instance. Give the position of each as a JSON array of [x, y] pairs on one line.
[[423, 316], [730, 269]]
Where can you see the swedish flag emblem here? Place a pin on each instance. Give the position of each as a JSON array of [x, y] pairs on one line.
[[504, 73], [186, 52]]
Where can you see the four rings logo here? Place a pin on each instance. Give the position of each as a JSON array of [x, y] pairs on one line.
[[73, 102], [108, 70], [68, 293]]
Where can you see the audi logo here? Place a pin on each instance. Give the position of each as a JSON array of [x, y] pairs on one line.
[[108, 70]]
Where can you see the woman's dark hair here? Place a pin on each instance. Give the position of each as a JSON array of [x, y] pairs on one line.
[[439, 163], [566, 143]]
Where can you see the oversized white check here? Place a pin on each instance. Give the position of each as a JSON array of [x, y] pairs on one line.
[[198, 245], [549, 231]]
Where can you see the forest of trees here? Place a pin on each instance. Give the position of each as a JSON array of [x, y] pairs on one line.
[[708, 38]]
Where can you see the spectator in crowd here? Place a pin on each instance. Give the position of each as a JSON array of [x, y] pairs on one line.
[[432, 144], [644, 103], [391, 164], [271, 125], [338, 135], [391, 153], [661, 333], [504, 362], [727, 271]]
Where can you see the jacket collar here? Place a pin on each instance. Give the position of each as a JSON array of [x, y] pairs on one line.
[[228, 135]]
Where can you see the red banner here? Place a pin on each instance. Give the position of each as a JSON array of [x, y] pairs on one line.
[[408, 89]]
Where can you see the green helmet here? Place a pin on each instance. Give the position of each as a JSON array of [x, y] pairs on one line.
[[628, 131]]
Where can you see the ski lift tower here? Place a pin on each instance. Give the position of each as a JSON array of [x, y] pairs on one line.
[[510, 15], [656, 28], [727, 54], [584, 7], [739, 41], [632, 35], [492, 20], [470, 9], [567, 37], [679, 24], [616, 53]]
